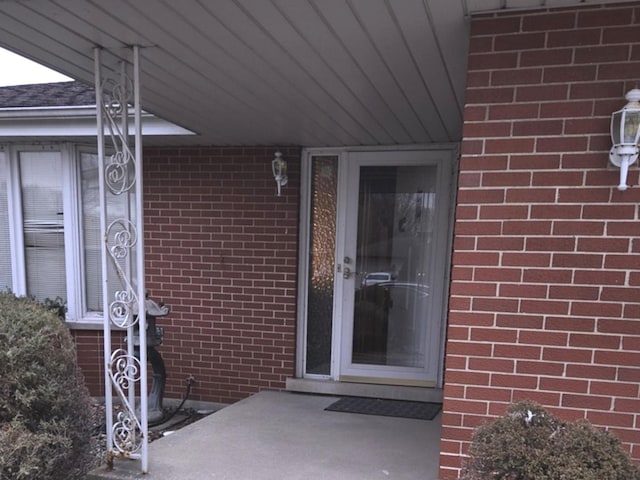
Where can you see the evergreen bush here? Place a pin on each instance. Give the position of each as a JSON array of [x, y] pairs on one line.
[[45, 409], [529, 443]]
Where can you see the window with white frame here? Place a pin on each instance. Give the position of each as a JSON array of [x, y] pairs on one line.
[[50, 226]]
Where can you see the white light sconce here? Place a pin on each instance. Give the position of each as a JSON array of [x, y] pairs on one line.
[[279, 168], [625, 130]]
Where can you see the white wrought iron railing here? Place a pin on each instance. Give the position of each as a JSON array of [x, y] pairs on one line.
[[123, 285]]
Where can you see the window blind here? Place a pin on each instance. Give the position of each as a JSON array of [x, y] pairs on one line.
[[43, 217], [6, 280]]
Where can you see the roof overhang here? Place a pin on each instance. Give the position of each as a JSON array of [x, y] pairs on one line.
[[77, 124], [266, 72]]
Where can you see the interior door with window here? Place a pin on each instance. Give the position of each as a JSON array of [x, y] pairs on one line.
[[392, 268], [376, 268]]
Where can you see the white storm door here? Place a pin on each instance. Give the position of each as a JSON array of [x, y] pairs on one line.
[[391, 266]]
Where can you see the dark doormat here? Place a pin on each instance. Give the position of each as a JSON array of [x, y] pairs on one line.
[[389, 408]]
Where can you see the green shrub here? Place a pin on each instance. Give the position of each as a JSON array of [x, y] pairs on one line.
[[529, 443], [45, 410]]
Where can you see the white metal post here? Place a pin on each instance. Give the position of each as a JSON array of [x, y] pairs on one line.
[[108, 391], [140, 259]]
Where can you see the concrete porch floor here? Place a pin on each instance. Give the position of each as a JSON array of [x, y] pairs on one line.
[[286, 436]]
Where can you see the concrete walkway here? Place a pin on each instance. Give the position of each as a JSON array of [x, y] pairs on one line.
[[287, 436]]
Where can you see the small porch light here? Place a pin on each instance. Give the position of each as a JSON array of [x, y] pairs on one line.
[[279, 168], [625, 130]]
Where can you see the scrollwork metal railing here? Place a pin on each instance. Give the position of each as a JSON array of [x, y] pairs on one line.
[[125, 373], [123, 255]]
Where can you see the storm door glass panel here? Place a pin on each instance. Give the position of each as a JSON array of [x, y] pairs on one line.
[[6, 280], [43, 217], [324, 181], [91, 236], [395, 229]]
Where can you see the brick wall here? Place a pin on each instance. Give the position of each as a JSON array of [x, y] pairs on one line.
[[545, 293], [90, 354], [221, 251]]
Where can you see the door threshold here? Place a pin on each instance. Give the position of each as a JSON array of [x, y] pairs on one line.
[[394, 392]]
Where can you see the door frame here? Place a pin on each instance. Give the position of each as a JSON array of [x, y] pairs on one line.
[[447, 169]]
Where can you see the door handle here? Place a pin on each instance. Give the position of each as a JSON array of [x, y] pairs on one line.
[[347, 273]]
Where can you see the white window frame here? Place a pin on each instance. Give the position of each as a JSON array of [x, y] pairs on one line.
[[77, 314]]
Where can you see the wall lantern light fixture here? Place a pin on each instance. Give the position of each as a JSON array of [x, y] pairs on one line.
[[279, 168], [625, 133]]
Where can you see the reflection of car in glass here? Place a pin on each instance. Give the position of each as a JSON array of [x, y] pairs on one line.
[[390, 290], [418, 289], [377, 277]]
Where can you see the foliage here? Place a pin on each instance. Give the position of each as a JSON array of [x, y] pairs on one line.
[[529, 443], [57, 305], [45, 411]]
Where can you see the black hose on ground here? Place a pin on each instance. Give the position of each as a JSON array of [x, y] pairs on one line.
[[172, 414]]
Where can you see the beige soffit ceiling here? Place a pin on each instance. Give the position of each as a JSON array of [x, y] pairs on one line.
[[271, 72]]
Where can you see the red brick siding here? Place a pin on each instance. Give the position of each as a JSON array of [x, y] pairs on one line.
[[90, 354], [545, 297], [221, 251]]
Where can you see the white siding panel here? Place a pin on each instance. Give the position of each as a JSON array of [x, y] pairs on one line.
[[358, 41], [424, 46], [263, 42], [322, 39], [292, 42], [227, 52], [388, 40]]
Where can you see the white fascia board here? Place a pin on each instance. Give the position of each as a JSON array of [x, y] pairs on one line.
[[72, 122]]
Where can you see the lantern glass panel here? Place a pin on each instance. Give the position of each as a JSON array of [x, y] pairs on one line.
[[631, 126], [615, 127]]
